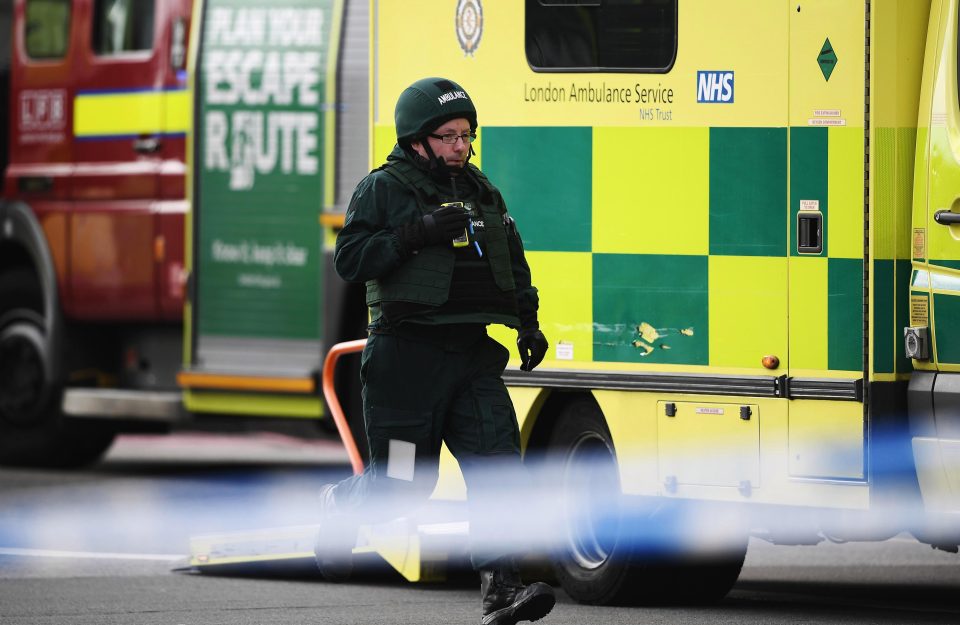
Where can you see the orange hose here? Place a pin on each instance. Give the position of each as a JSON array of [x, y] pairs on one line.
[[330, 394]]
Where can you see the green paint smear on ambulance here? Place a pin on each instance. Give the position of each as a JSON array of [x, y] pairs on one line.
[[666, 293]]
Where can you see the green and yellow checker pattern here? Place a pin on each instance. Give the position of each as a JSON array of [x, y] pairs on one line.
[[671, 244], [683, 252]]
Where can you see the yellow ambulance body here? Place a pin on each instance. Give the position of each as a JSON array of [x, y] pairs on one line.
[[740, 216]]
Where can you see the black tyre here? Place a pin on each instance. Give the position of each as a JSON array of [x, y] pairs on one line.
[[33, 432], [617, 551]]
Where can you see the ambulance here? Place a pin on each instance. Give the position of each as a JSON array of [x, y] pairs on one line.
[[743, 219]]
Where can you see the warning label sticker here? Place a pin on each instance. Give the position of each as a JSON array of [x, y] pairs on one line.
[[707, 410], [826, 117], [919, 242], [826, 121], [919, 311]]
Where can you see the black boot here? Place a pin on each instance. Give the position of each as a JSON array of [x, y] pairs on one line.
[[507, 601]]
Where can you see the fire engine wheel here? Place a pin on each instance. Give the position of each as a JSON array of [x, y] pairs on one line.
[[33, 432], [24, 387], [611, 552]]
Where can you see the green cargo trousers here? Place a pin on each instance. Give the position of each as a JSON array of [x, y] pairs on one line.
[[423, 385]]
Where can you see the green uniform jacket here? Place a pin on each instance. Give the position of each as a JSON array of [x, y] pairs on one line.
[[368, 249]]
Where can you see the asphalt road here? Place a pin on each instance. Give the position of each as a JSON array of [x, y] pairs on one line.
[[99, 547]]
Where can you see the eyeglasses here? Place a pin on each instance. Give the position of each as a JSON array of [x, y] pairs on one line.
[[450, 139]]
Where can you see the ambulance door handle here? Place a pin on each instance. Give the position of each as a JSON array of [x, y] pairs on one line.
[[946, 218], [146, 145]]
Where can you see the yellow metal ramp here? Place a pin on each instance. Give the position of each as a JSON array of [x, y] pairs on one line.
[[419, 552]]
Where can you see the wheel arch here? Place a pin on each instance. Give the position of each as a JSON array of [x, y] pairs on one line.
[[627, 550], [23, 244], [544, 412], [630, 420]]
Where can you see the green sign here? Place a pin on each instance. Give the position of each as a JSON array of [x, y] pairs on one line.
[[827, 59], [262, 93]]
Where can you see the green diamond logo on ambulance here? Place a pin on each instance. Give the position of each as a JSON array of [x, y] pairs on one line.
[[827, 59], [469, 23]]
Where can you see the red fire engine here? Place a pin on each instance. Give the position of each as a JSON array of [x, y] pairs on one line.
[[91, 221], [97, 97]]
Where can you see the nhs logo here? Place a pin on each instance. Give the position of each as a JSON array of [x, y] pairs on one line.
[[715, 87]]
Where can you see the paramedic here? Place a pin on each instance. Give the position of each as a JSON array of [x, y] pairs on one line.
[[430, 236]]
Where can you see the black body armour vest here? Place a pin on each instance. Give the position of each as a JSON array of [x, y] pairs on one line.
[[425, 281]]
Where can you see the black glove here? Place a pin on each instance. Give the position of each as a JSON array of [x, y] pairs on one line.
[[532, 345], [410, 237], [444, 225]]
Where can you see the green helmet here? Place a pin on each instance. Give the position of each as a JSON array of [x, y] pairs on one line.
[[429, 103]]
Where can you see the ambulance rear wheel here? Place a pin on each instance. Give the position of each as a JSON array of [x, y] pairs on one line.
[[615, 551]]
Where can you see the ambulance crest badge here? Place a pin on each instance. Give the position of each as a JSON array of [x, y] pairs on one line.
[[469, 24]]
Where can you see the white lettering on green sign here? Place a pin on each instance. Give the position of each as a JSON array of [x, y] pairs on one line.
[[246, 142], [258, 141], [284, 78], [245, 252], [248, 27]]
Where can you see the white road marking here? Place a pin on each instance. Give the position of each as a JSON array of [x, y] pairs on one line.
[[91, 555]]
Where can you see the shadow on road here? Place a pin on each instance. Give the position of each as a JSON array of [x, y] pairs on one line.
[[890, 602]]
